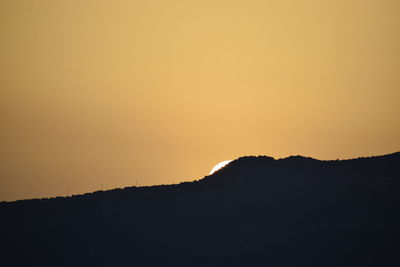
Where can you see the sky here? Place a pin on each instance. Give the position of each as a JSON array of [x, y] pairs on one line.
[[104, 94]]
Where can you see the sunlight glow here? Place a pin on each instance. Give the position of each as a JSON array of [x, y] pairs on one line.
[[219, 166]]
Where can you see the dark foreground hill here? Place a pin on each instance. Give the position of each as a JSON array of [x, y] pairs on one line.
[[257, 211]]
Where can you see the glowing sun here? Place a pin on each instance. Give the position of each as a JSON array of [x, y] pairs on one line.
[[219, 166]]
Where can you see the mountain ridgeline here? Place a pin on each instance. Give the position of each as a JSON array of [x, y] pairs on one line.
[[256, 211]]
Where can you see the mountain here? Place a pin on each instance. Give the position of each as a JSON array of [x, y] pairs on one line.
[[256, 211]]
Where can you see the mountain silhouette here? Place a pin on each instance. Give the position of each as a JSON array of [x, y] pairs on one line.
[[256, 211]]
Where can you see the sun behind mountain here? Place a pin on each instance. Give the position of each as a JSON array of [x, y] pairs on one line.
[[219, 166]]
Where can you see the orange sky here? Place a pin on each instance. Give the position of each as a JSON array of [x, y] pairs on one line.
[[103, 93]]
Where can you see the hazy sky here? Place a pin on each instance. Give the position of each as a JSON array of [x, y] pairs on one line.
[[103, 93]]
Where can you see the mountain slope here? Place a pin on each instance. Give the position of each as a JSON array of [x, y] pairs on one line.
[[257, 211]]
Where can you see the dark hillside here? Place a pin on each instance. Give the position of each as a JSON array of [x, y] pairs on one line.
[[257, 211]]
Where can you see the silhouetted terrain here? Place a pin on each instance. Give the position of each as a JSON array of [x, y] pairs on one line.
[[256, 211]]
